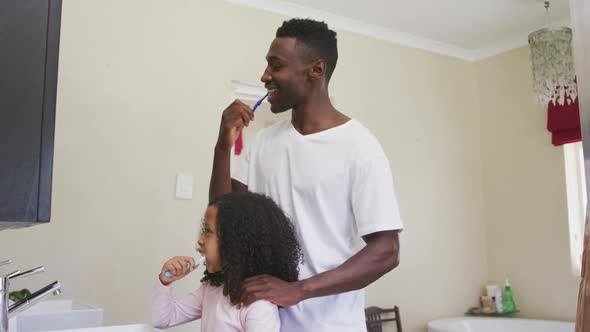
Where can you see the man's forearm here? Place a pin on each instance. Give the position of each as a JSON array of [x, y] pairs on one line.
[[380, 255], [220, 175]]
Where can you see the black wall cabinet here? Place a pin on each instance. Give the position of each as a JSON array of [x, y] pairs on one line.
[[29, 46]]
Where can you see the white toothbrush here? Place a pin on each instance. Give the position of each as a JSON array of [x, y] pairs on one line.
[[200, 261]]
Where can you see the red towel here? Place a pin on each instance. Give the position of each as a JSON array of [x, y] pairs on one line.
[[563, 121], [239, 145]]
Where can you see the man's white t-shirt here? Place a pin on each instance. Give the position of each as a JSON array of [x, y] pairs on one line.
[[336, 186]]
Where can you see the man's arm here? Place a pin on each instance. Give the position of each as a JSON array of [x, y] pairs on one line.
[[237, 116], [238, 187], [379, 256], [221, 181], [220, 175]]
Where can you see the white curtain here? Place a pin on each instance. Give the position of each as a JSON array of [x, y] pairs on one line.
[[580, 19]]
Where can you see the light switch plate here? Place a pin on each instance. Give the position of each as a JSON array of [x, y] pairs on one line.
[[184, 186]]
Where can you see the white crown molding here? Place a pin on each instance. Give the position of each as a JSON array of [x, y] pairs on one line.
[[508, 44], [355, 26], [499, 47], [397, 37]]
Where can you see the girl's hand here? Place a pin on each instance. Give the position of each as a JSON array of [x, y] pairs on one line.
[[179, 267]]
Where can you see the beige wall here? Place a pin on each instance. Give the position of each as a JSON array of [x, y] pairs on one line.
[[524, 192], [141, 88], [423, 109]]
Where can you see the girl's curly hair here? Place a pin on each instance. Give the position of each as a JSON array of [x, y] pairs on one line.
[[255, 237]]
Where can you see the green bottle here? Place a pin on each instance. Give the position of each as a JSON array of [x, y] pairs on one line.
[[507, 300]]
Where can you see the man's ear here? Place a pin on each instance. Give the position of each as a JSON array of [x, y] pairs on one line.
[[317, 69]]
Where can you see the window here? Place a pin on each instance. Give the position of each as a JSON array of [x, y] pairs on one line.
[[576, 201]]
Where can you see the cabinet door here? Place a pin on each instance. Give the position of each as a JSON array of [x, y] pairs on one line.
[[23, 49]]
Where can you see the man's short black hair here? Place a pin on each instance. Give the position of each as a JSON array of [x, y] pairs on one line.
[[318, 39]]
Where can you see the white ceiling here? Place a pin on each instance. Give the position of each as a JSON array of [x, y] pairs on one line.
[[469, 29]]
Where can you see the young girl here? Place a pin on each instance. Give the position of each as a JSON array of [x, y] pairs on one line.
[[243, 235]]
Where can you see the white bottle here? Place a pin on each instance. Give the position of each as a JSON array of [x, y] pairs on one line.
[[498, 298], [495, 293]]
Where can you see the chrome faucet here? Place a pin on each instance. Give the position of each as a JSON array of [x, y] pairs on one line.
[[6, 311]]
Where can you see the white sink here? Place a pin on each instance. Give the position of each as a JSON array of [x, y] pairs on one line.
[[56, 315], [117, 328]]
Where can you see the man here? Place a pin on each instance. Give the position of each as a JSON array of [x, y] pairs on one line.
[[328, 173]]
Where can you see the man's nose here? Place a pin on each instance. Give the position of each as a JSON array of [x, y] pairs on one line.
[[265, 78]]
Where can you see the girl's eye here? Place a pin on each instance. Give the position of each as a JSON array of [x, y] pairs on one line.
[[205, 230]]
